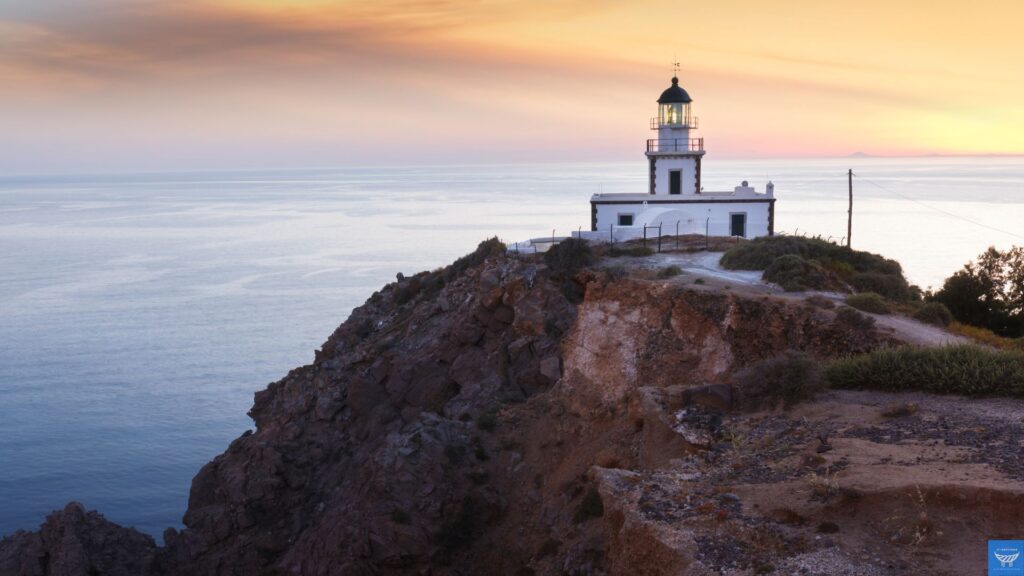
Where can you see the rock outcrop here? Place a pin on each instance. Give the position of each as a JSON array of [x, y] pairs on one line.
[[497, 417], [74, 542]]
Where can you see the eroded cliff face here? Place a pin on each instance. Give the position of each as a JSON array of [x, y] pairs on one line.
[[376, 456], [494, 418]]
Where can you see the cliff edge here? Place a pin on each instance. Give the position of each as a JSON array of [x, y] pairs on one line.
[[500, 416]]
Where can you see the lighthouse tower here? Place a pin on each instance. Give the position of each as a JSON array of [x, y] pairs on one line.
[[674, 157], [675, 203]]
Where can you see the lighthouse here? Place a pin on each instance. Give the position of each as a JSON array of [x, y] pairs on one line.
[[675, 200]]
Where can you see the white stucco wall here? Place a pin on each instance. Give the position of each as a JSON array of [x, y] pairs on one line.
[[688, 178], [691, 217]]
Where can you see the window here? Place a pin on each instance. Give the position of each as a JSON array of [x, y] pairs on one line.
[[675, 182], [625, 219], [675, 114], [738, 224]]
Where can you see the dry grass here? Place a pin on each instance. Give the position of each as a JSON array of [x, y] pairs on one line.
[[986, 336]]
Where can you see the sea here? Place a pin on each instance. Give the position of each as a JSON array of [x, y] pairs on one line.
[[140, 312]]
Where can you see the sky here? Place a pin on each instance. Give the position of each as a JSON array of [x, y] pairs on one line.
[[146, 85]]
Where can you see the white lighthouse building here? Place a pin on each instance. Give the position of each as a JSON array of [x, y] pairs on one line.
[[675, 198]]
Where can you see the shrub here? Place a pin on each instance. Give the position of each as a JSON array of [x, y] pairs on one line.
[[486, 249], [868, 302], [986, 336], [760, 252], [569, 256], [838, 264], [787, 379], [934, 313], [850, 318], [964, 369], [989, 292], [795, 274], [820, 301], [616, 272], [633, 251], [842, 269], [888, 285], [670, 271]]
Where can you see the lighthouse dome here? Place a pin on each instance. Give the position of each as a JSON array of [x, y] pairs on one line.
[[674, 94]]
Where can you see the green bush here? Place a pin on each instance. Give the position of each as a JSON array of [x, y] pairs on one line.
[[820, 301], [988, 293], [670, 271], [795, 274], [964, 369], [850, 318], [863, 270], [633, 251], [888, 285], [934, 313], [787, 379], [757, 254], [868, 302], [569, 256], [486, 249]]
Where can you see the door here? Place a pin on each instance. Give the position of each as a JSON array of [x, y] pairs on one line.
[[738, 224], [675, 182]]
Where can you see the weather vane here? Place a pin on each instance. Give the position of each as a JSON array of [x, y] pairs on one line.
[[675, 67]]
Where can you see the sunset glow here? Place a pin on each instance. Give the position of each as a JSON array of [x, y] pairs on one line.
[[136, 84]]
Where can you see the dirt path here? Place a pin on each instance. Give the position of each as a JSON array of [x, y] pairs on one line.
[[706, 265]]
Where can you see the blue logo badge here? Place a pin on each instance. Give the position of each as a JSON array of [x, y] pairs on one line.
[[1005, 558]]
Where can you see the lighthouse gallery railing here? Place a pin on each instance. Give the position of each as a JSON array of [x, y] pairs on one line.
[[676, 145]]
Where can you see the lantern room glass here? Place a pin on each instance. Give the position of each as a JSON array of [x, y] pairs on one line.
[[676, 114]]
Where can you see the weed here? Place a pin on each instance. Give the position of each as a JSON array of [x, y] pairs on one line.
[[934, 313], [868, 302], [670, 271], [964, 369], [787, 379]]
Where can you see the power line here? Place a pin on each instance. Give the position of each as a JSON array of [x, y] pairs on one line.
[[940, 210]]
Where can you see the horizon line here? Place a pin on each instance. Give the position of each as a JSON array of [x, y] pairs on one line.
[[370, 165]]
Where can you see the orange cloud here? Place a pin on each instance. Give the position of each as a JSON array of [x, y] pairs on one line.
[[505, 79]]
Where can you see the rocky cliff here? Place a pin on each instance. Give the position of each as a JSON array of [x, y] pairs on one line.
[[499, 417]]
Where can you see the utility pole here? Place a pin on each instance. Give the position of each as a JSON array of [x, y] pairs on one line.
[[849, 212]]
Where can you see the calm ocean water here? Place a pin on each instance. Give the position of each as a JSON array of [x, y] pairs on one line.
[[138, 314]]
